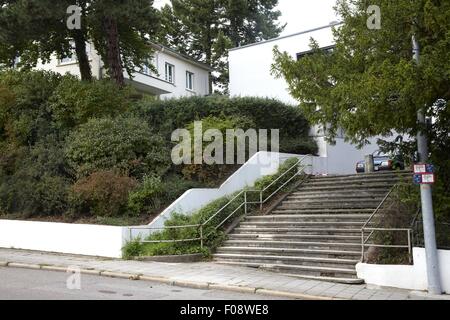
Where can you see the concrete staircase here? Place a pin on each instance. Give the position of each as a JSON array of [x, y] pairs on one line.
[[315, 232]]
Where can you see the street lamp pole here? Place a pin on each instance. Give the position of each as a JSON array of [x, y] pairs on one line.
[[429, 231]]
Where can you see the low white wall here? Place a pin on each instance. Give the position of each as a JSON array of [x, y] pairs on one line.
[[261, 164], [413, 277], [91, 240]]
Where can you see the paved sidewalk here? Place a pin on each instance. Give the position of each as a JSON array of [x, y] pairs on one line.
[[207, 275]]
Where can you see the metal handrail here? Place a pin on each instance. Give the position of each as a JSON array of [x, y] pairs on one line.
[[372, 230], [244, 204]]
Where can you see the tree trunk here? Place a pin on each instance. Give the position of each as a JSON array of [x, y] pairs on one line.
[[114, 60], [82, 56]]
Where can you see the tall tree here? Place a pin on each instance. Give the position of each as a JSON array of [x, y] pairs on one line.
[[369, 84], [36, 29], [206, 29]]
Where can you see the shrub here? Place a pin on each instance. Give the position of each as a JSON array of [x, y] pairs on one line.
[[148, 196], [74, 102], [172, 114], [213, 174], [123, 143], [24, 95], [103, 193], [34, 180]]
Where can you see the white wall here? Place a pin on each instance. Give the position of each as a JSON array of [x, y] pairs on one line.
[[250, 66], [261, 164], [91, 240], [413, 277]]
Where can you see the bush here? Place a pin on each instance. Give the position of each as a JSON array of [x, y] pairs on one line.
[[123, 143], [24, 96], [172, 114], [148, 196], [34, 180], [213, 174], [74, 102], [103, 193]]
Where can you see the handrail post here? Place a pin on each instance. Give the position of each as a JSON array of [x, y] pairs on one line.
[[362, 246], [245, 202], [410, 246], [201, 237], [261, 201]]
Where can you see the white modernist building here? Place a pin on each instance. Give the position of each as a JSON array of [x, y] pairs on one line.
[[177, 75], [250, 75]]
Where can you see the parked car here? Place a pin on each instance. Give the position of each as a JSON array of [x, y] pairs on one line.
[[382, 162]]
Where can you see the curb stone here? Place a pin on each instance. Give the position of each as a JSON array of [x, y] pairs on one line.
[[292, 295], [226, 287], [120, 275], [191, 284], [24, 265], [167, 281], [3, 263]]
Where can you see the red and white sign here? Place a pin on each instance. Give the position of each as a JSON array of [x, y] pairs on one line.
[[428, 178], [420, 168]]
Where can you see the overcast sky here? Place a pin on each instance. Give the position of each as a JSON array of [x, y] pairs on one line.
[[299, 14]]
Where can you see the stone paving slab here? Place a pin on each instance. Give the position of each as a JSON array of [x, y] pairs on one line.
[[208, 274]]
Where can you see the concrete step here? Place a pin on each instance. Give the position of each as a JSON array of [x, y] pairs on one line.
[[331, 200], [341, 246], [337, 196], [297, 237], [376, 175], [304, 231], [345, 182], [288, 260], [295, 269], [307, 217], [301, 224], [325, 253], [285, 211], [367, 187], [326, 279], [335, 205]]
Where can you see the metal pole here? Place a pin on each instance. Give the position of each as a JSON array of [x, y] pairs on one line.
[[245, 203], [261, 201], [201, 237], [434, 283]]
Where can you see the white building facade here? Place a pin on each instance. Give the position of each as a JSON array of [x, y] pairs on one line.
[[250, 75], [176, 76]]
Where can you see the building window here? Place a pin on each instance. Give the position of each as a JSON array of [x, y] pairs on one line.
[[189, 80], [326, 50], [170, 73]]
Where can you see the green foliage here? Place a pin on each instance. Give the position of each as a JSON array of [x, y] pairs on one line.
[[206, 29], [24, 118], [34, 181], [172, 114], [148, 196], [125, 143], [210, 213], [74, 102], [369, 84], [103, 193]]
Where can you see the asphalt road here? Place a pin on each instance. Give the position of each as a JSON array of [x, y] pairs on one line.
[[25, 284]]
